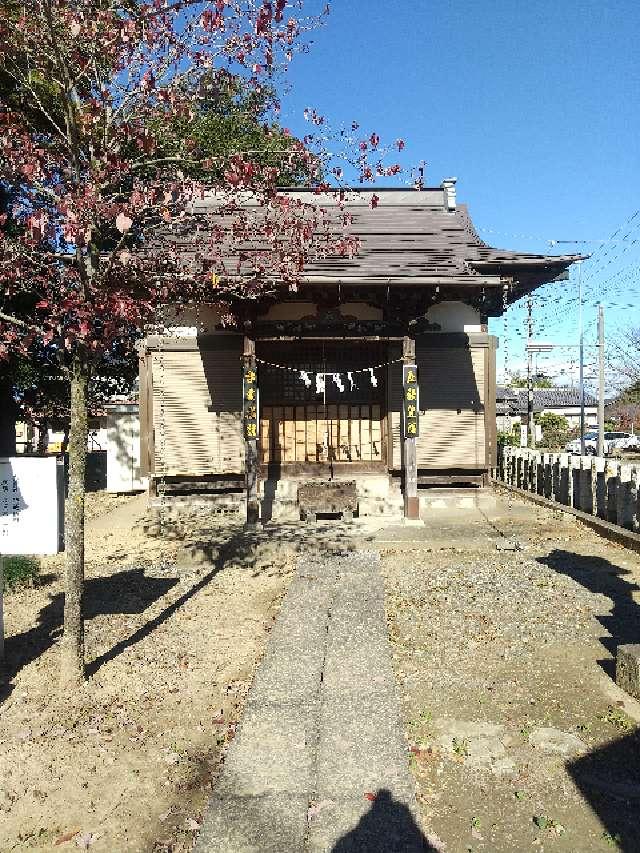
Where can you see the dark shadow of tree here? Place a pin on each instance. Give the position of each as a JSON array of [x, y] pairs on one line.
[[127, 591], [149, 626], [131, 591], [602, 576], [388, 827], [609, 779]]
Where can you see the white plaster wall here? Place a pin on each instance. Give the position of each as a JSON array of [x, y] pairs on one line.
[[455, 317], [290, 311], [361, 311], [192, 320], [205, 318], [572, 415]]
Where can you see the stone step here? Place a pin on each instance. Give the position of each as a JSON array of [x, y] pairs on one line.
[[286, 488], [446, 499]]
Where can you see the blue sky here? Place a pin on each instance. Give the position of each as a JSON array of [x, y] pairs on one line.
[[533, 106]]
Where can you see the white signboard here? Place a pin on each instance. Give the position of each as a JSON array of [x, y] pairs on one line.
[[123, 449], [524, 435], [31, 505]]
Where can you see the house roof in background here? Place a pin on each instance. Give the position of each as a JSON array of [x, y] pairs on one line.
[[543, 398]]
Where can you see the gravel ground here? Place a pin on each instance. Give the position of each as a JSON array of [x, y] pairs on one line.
[[519, 738], [128, 763]]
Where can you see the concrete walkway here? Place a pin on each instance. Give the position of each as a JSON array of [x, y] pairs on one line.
[[122, 517], [320, 763]]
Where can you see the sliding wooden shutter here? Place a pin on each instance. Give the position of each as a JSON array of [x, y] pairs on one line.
[[197, 402], [452, 420]]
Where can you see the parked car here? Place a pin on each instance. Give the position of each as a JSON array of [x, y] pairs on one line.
[[631, 442], [590, 444], [612, 441]]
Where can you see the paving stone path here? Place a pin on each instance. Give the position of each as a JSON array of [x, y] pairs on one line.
[[319, 762]]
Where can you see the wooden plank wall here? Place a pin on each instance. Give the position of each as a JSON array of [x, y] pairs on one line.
[[452, 398], [197, 402]]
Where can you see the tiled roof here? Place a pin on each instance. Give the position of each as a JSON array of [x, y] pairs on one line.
[[543, 398], [406, 237]]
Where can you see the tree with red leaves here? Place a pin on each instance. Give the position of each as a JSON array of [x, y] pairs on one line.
[[91, 93]]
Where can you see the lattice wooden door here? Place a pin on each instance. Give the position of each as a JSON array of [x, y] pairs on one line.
[[297, 425]]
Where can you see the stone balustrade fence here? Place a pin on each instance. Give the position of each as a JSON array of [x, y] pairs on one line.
[[606, 488]]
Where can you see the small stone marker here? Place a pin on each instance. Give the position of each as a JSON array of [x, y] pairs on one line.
[[628, 669], [508, 545]]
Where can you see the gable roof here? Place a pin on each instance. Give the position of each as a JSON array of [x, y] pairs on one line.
[[543, 398], [416, 236], [409, 238]]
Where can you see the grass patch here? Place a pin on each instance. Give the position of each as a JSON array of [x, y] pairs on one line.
[[20, 571], [618, 719]]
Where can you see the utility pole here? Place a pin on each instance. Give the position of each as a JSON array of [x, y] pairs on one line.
[[600, 380], [531, 438], [581, 325]]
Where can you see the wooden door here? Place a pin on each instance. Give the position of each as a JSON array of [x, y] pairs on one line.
[[332, 433]]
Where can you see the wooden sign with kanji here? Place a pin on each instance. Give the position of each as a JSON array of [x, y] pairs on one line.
[[250, 403], [410, 401]]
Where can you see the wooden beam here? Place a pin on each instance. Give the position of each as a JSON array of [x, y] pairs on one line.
[[490, 424], [143, 413], [409, 459], [252, 464]]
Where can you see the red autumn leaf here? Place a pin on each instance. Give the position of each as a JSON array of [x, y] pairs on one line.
[[68, 836], [369, 795]]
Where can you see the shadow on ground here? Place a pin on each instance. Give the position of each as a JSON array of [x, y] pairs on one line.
[[609, 779], [128, 591], [602, 576], [388, 827], [131, 591], [151, 625]]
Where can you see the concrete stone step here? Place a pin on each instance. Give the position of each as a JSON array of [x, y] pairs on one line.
[[368, 485], [446, 499]]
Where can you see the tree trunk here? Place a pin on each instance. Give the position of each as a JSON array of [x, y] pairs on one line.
[[72, 662], [43, 435], [7, 417]]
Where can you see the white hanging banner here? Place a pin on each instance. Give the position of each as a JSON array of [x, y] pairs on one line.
[[320, 383], [305, 378], [338, 381], [350, 378], [374, 378]]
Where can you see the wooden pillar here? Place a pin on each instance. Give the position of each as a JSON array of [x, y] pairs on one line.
[[250, 420], [409, 460]]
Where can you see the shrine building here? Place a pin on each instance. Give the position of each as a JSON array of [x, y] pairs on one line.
[[328, 362]]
